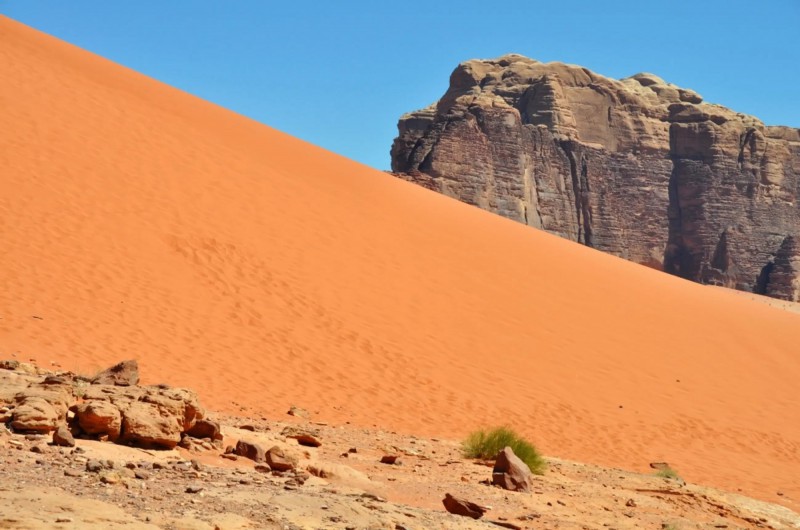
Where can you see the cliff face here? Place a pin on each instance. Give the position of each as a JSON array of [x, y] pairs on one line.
[[638, 168]]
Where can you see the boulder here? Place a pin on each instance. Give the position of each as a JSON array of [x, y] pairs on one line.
[[280, 460], [125, 373], [511, 473], [179, 403], [146, 425], [59, 396], [99, 418], [9, 364], [206, 429], [11, 385], [34, 414], [306, 437], [250, 450], [463, 507]]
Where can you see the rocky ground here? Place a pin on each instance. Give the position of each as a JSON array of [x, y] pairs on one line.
[[314, 475]]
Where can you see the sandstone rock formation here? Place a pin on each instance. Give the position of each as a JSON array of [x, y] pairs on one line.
[[638, 168], [144, 416]]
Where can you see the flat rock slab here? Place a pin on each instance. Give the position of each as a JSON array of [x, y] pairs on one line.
[[42, 508]]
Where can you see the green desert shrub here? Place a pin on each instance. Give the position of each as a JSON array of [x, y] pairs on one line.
[[667, 472], [487, 443]]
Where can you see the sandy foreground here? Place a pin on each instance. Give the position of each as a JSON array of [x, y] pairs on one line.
[[137, 221], [190, 490]]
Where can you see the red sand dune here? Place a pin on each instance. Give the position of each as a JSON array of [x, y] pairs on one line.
[[137, 221]]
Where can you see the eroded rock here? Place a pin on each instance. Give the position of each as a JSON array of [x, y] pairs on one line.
[[125, 373], [146, 416], [205, 429], [99, 418], [34, 414], [639, 168], [280, 459], [250, 450], [147, 425]]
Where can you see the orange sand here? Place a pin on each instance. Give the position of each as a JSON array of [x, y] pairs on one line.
[[137, 221]]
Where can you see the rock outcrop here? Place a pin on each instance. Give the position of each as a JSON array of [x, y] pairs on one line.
[[143, 416], [638, 168]]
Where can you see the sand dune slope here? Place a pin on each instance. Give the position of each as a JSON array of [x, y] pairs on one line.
[[139, 222]]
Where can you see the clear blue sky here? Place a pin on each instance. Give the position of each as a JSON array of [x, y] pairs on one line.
[[340, 73]]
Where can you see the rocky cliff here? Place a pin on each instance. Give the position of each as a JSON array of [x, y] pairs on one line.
[[638, 168]]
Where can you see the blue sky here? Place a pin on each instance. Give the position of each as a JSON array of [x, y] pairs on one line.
[[340, 73]]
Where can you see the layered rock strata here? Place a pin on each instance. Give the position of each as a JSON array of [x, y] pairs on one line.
[[638, 168]]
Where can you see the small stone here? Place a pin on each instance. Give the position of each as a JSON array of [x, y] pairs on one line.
[[141, 474], [631, 503], [72, 473], [64, 520], [39, 448], [298, 412], [62, 437], [463, 507], [389, 459], [194, 489], [506, 524], [110, 477], [94, 466]]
